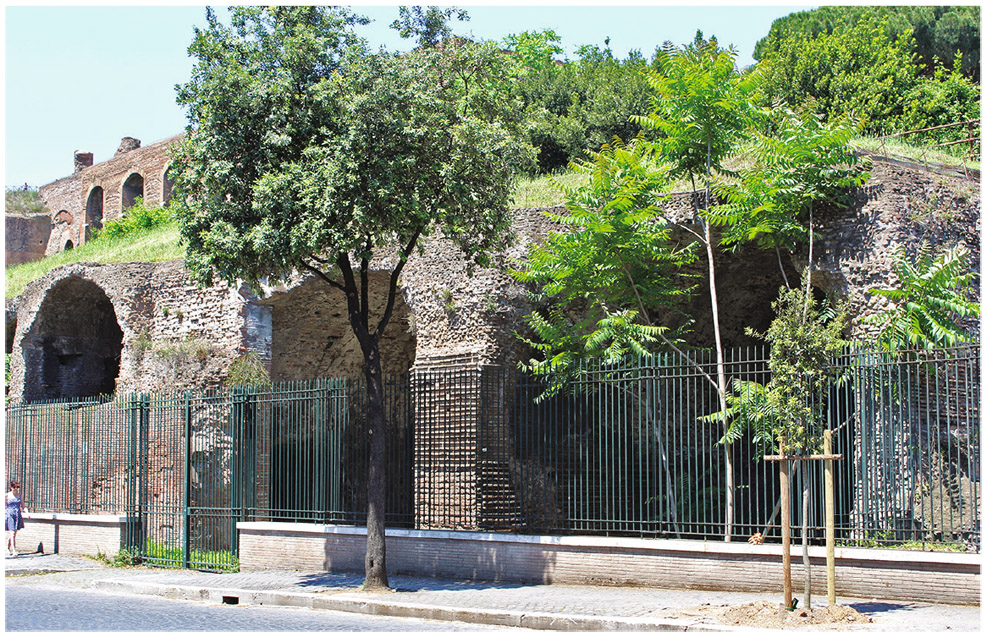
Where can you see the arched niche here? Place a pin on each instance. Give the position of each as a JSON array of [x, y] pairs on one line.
[[94, 211], [311, 335], [166, 185], [68, 245], [133, 188], [73, 347]]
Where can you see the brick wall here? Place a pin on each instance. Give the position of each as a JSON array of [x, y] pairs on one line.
[[952, 578], [72, 534]]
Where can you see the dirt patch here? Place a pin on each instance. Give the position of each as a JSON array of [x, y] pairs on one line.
[[769, 615]]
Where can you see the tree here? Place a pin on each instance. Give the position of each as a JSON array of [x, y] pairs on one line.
[[428, 26], [701, 105], [940, 32], [798, 163], [930, 302], [612, 267], [305, 152]]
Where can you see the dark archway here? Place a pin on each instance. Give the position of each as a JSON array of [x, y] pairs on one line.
[[68, 245], [166, 186], [94, 211], [132, 189], [73, 348]]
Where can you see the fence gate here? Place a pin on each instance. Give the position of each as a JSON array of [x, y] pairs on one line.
[[190, 459]]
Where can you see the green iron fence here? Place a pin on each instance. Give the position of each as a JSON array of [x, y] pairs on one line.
[[625, 450]]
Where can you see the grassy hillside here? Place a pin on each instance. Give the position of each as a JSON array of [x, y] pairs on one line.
[[157, 244]]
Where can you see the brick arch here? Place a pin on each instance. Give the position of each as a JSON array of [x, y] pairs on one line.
[[166, 185], [94, 210], [133, 187], [72, 348]]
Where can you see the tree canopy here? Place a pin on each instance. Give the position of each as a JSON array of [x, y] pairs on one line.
[[306, 152]]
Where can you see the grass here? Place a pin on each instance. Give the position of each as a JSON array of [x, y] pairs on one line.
[[543, 191], [158, 244], [920, 154]]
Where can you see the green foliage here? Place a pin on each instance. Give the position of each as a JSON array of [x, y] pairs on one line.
[[804, 337], [798, 163], [930, 301], [428, 26], [248, 370], [701, 106], [306, 154], [948, 97], [23, 201], [940, 32], [870, 66], [578, 105], [615, 255], [857, 70], [136, 219]]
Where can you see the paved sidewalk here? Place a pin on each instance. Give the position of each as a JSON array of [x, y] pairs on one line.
[[558, 607]]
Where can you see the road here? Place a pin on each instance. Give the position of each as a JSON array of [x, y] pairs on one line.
[[37, 608]]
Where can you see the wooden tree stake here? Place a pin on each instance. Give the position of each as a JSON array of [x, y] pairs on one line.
[[830, 519], [786, 530]]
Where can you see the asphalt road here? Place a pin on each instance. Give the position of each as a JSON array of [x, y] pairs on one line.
[[29, 608]]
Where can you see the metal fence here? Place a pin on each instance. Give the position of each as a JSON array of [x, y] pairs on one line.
[[624, 450]]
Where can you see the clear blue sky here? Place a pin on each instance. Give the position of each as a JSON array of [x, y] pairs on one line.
[[81, 78]]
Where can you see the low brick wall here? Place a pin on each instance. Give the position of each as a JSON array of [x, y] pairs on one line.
[[952, 578], [72, 533]]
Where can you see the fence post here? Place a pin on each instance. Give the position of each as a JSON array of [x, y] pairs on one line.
[[187, 487]]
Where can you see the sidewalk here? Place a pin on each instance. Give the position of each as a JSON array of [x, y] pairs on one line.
[[555, 607]]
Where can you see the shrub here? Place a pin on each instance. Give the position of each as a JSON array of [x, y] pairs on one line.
[[136, 218]]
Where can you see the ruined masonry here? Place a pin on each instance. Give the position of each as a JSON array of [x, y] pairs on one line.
[[89, 329]]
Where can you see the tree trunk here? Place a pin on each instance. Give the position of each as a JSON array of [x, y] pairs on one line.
[[721, 386], [375, 565]]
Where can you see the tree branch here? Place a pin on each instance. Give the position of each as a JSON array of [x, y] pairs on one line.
[[322, 275], [393, 283]]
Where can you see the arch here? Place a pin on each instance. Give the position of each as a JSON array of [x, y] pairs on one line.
[[94, 211], [68, 245], [73, 347], [166, 186], [133, 187], [64, 216]]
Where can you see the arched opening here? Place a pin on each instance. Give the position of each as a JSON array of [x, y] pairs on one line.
[[73, 348], [132, 189], [94, 211], [311, 338], [166, 186], [68, 245]]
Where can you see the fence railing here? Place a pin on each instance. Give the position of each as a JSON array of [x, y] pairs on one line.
[[624, 450]]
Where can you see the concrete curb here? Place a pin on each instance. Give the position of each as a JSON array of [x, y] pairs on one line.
[[352, 603]]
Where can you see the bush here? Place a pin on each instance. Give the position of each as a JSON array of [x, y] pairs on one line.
[[136, 218]]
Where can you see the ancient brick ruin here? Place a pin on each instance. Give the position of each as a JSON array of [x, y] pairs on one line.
[[93, 194], [87, 329]]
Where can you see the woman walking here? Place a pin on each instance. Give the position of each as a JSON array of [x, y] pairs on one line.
[[15, 521]]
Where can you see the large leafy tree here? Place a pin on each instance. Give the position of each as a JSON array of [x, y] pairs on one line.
[[940, 32], [305, 152]]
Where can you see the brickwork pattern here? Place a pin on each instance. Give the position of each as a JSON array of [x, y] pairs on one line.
[[705, 568]]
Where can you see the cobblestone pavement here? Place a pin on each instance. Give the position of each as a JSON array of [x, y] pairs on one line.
[[542, 606], [31, 608]]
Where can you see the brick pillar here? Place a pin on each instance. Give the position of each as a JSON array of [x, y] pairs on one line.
[[446, 414]]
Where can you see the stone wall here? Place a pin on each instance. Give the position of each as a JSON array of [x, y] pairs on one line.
[[96, 193], [915, 576], [179, 336], [25, 237]]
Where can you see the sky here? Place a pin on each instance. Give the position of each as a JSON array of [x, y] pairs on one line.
[[82, 78]]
